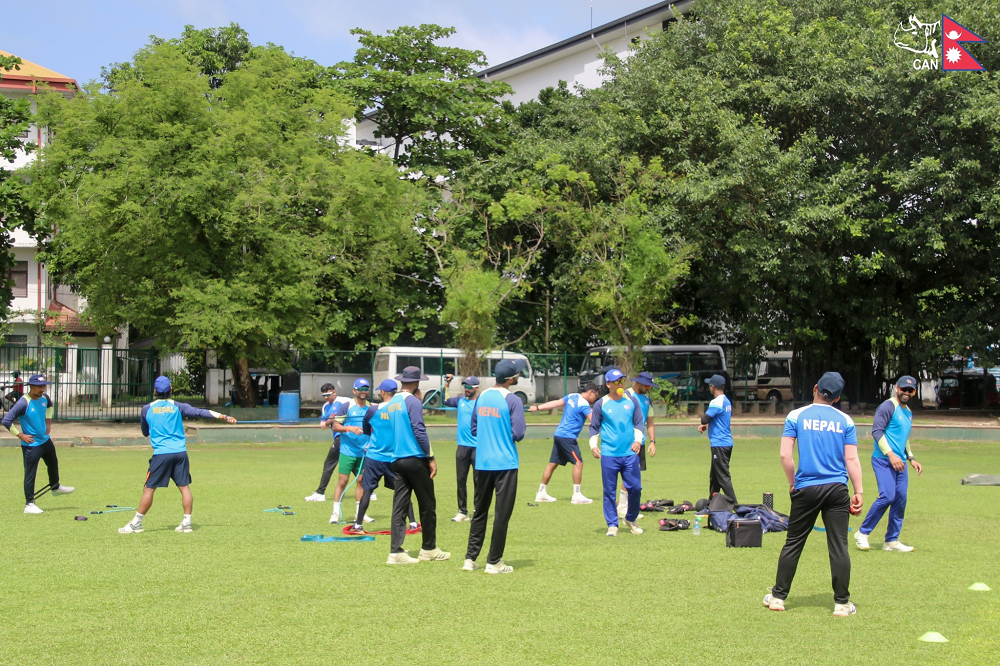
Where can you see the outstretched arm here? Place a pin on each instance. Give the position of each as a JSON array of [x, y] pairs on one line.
[[546, 406], [193, 412]]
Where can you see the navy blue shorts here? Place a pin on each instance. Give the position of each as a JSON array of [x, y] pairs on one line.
[[166, 466], [565, 450], [374, 471]]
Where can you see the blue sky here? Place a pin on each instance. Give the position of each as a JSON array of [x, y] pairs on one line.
[[77, 38]]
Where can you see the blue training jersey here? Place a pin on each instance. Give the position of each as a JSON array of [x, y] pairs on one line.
[[351, 444], [408, 430], [463, 407], [381, 444], [162, 421], [31, 415], [893, 421], [497, 424], [331, 410], [720, 410], [575, 413], [820, 432], [619, 423], [645, 404]]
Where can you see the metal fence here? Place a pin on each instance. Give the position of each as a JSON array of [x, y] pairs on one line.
[[87, 384]]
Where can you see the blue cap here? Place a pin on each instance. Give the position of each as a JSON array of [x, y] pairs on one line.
[[362, 383], [471, 380], [388, 385], [38, 380], [411, 374], [907, 381], [718, 381], [509, 367], [831, 385], [613, 375], [162, 384], [644, 378]]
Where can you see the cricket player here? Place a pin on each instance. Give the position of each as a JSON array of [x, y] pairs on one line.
[[641, 384], [332, 406], [162, 421], [716, 421], [353, 443], [465, 452], [891, 430], [615, 438], [828, 454], [576, 409], [32, 412], [497, 424]]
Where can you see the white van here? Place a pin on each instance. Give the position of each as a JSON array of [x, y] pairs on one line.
[[436, 362], [770, 379]]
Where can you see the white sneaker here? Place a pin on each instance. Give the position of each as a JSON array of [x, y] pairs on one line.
[[580, 499], [413, 526], [63, 490], [635, 529], [843, 610], [374, 497], [640, 517], [499, 568], [861, 540], [436, 555], [612, 530], [335, 517], [544, 497], [460, 518], [774, 603], [401, 558], [369, 519], [897, 546], [31, 508], [316, 497], [183, 527], [130, 529], [470, 565]]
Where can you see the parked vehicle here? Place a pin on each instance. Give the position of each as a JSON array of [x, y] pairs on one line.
[[436, 362], [686, 366]]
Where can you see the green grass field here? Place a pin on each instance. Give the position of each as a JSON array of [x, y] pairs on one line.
[[243, 588]]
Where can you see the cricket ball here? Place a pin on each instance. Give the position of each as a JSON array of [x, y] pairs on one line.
[[855, 512]]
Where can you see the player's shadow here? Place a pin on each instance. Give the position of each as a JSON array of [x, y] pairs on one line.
[[818, 600]]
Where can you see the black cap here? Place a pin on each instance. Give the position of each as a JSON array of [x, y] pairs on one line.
[[831, 385], [411, 374]]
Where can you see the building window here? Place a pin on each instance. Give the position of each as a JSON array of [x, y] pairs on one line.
[[15, 340], [18, 274]]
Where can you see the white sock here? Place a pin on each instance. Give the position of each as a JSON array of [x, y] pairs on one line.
[[138, 518], [576, 488], [541, 488], [623, 497], [187, 519], [336, 507]]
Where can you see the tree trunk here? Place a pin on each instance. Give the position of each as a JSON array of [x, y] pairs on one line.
[[246, 394]]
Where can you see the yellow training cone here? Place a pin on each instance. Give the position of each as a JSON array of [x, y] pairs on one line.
[[933, 637], [979, 587]]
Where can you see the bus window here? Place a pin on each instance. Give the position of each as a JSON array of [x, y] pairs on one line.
[[406, 362], [435, 365], [381, 363]]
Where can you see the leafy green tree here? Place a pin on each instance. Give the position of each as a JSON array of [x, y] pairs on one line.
[[235, 222], [842, 202], [425, 97], [15, 211]]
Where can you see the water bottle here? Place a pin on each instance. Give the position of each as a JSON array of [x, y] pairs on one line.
[[697, 525]]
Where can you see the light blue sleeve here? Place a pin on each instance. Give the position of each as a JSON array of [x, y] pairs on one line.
[[713, 410], [791, 428], [850, 434]]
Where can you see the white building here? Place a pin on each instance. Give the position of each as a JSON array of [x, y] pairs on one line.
[[43, 306], [574, 60]]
